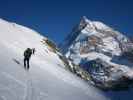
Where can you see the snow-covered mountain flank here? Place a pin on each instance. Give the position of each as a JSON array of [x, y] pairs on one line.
[[106, 54], [47, 78]]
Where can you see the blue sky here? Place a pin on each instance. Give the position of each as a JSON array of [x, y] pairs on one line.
[[55, 18]]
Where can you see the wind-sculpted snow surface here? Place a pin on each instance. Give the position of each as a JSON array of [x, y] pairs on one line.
[[46, 80]]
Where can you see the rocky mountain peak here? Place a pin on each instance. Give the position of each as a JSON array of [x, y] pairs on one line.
[[94, 40], [92, 25]]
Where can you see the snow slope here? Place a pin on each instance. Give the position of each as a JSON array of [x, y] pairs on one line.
[[46, 80]]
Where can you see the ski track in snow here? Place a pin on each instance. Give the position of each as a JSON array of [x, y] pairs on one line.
[[26, 86], [29, 89]]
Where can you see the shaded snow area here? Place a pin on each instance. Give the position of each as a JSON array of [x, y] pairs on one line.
[[46, 79]]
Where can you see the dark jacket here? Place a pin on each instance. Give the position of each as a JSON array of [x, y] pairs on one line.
[[27, 53]]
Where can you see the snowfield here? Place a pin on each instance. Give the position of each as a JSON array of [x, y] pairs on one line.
[[46, 80]]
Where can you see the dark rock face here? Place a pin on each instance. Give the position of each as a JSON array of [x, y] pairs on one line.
[[122, 83], [106, 76]]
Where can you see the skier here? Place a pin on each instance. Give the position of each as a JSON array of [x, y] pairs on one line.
[[27, 55]]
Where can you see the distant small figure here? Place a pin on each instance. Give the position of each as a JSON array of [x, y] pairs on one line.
[[27, 56], [33, 51]]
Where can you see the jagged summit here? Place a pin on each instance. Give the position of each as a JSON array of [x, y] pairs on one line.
[[84, 21], [87, 28], [95, 36], [92, 25]]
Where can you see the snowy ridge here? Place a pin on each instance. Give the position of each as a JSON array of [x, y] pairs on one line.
[[46, 80]]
